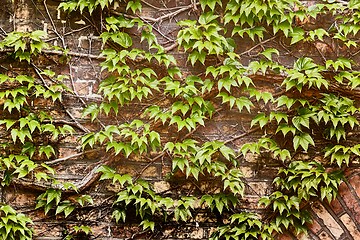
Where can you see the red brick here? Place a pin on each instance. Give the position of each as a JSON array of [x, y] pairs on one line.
[[314, 227], [350, 225], [355, 183], [351, 203], [327, 219], [284, 237], [47, 229], [325, 236], [336, 207]]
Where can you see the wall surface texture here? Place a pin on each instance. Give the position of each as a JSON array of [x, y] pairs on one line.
[[78, 33]]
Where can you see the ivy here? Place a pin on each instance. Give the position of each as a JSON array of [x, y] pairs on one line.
[[300, 182], [234, 57], [14, 225], [25, 44]]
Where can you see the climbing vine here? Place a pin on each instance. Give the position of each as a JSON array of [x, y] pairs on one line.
[[307, 110]]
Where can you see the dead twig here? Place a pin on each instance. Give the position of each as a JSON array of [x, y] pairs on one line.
[[242, 135], [59, 160], [80, 186], [78, 125], [161, 18], [53, 25]]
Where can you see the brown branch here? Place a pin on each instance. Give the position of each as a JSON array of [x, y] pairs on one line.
[[57, 52], [157, 30], [75, 54], [68, 33], [78, 125], [81, 185], [87, 181], [257, 45], [61, 121], [58, 160], [53, 25], [148, 165], [161, 18], [171, 47], [161, 9], [242, 135]]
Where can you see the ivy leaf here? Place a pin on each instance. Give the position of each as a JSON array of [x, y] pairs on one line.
[[84, 199], [279, 116], [134, 6], [92, 110], [20, 134], [8, 123], [148, 224], [122, 179], [41, 175], [69, 209], [197, 56], [303, 140], [210, 3], [178, 163], [268, 53], [60, 209], [119, 214], [53, 194], [227, 152], [123, 39], [297, 35], [261, 119], [86, 229], [299, 121], [285, 100], [242, 102], [48, 150], [107, 172]]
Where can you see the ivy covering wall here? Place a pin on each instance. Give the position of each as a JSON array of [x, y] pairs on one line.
[[306, 122]]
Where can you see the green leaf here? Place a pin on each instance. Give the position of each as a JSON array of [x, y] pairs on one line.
[[297, 35], [53, 194], [69, 209], [85, 199], [92, 110], [134, 6], [268, 53], [86, 229], [261, 119], [48, 150], [148, 224], [303, 140], [195, 56]]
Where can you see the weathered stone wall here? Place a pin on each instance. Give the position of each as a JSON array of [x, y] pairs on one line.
[[341, 220]]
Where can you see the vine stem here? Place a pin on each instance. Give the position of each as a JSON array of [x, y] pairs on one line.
[[61, 53], [160, 156], [78, 125], [59, 160], [53, 25], [75, 54], [242, 135], [163, 17], [83, 184], [161, 9], [258, 45]]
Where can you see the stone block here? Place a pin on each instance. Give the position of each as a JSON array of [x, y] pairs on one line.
[[336, 207], [327, 220], [355, 183], [351, 226], [315, 227]]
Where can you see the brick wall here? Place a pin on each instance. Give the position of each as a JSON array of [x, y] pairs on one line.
[[340, 220]]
